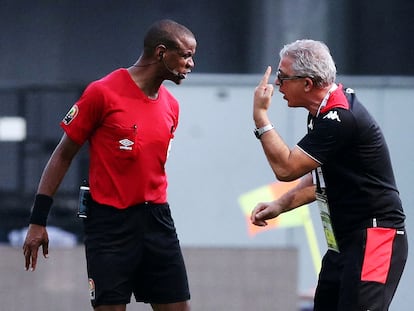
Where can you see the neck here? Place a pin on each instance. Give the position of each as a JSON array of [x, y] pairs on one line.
[[146, 80], [325, 92], [140, 65]]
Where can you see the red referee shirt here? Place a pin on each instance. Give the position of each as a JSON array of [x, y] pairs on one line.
[[129, 136]]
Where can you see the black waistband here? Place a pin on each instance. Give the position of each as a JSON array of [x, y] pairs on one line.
[[384, 223], [139, 205]]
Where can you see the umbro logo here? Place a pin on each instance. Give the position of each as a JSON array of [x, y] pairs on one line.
[[333, 115], [125, 144]]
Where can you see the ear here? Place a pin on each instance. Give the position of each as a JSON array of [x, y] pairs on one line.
[[160, 50], [308, 84]]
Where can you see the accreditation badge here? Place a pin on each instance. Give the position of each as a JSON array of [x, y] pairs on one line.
[[322, 202]]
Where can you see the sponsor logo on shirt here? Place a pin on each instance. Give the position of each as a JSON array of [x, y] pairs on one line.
[[125, 144], [310, 125], [73, 112], [333, 115]]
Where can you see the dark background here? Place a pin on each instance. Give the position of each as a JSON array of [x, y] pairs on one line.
[[49, 51], [78, 41]]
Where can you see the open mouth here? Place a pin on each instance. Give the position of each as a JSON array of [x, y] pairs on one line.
[[184, 75]]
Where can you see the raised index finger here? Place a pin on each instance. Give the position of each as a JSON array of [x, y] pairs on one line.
[[265, 79]]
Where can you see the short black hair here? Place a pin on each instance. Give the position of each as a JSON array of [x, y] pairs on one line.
[[164, 32]]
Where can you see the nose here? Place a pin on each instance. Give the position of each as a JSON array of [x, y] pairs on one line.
[[278, 82], [190, 62]]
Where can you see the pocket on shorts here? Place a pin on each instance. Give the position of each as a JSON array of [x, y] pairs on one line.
[[162, 214]]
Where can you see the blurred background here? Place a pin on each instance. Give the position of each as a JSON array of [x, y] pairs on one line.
[[50, 50]]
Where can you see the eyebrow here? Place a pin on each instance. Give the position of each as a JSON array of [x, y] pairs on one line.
[[185, 54]]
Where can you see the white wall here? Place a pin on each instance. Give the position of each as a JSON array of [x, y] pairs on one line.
[[216, 158]]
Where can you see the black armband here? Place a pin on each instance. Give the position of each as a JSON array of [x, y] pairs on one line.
[[41, 208]]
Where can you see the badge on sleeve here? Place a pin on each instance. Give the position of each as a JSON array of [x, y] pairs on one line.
[[73, 112]]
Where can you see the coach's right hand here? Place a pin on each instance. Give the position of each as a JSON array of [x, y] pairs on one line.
[[265, 211], [36, 236]]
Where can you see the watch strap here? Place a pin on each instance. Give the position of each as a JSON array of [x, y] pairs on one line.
[[260, 131]]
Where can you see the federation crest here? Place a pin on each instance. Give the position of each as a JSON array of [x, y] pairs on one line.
[[73, 112]]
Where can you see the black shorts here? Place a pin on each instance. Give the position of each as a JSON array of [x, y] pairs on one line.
[[135, 250], [365, 274]]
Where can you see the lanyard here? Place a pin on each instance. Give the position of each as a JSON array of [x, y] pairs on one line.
[[324, 211], [325, 99], [318, 180]]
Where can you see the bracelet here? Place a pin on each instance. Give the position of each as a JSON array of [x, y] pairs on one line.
[[41, 208]]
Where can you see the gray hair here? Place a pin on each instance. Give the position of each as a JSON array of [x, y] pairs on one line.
[[312, 59]]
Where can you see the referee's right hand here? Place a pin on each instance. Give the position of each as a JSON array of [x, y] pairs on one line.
[[36, 236]]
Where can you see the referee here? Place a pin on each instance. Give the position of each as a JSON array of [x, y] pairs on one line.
[[129, 119]]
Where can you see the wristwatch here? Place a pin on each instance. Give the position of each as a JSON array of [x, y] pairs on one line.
[[260, 131]]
